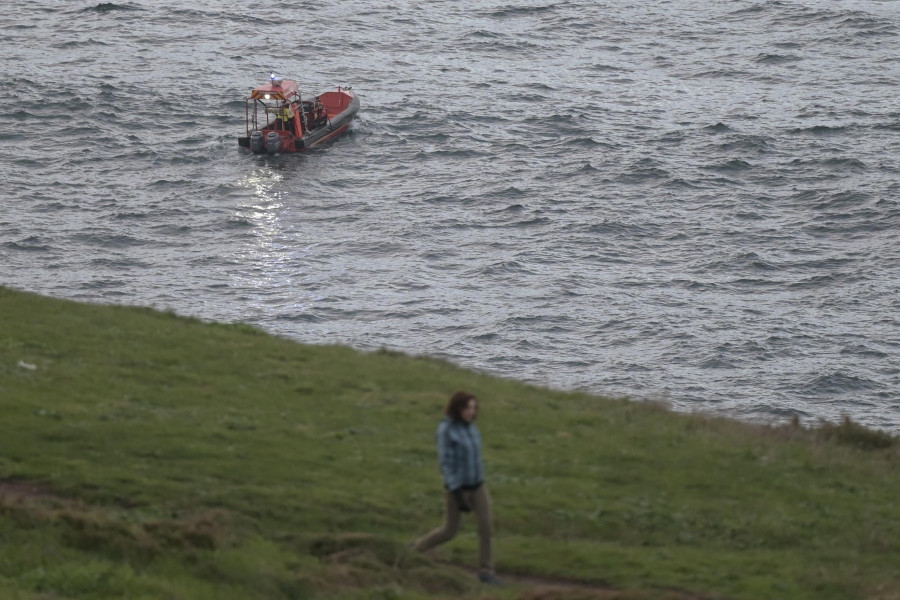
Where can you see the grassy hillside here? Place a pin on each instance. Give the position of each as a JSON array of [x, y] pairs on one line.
[[145, 455]]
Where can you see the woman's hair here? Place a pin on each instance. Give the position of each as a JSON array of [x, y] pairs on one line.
[[457, 405]]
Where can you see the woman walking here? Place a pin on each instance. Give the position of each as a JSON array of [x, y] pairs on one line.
[[459, 455]]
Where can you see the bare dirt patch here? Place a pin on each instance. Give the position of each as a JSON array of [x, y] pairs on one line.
[[538, 587], [20, 488]]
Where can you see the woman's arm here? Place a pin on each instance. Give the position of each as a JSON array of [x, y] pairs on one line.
[[447, 458]]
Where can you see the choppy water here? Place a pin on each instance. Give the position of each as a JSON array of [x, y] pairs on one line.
[[692, 200]]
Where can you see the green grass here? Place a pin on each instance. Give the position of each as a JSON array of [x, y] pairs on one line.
[[171, 458]]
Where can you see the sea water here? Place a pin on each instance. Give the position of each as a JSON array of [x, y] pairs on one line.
[[694, 202]]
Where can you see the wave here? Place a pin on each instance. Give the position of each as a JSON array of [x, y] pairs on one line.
[[643, 174], [837, 383], [776, 59], [587, 141], [734, 164], [729, 73], [520, 11], [895, 126], [605, 68], [108, 240], [820, 130], [215, 16], [79, 44], [757, 144], [852, 164], [120, 263], [30, 244], [107, 7], [505, 268], [866, 24], [864, 351]]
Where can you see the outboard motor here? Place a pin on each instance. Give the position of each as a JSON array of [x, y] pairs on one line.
[[273, 142], [257, 143]]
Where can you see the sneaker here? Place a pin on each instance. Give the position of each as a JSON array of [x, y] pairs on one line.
[[489, 579]]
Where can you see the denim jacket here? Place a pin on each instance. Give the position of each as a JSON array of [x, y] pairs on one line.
[[459, 454]]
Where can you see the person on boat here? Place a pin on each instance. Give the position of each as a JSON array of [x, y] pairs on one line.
[[321, 114], [285, 115], [459, 456]]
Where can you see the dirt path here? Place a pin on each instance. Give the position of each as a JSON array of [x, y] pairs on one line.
[[539, 587], [15, 489]]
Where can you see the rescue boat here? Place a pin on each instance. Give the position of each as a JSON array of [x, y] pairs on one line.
[[279, 119]]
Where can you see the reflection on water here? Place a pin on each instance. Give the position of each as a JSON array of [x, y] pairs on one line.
[[273, 261]]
